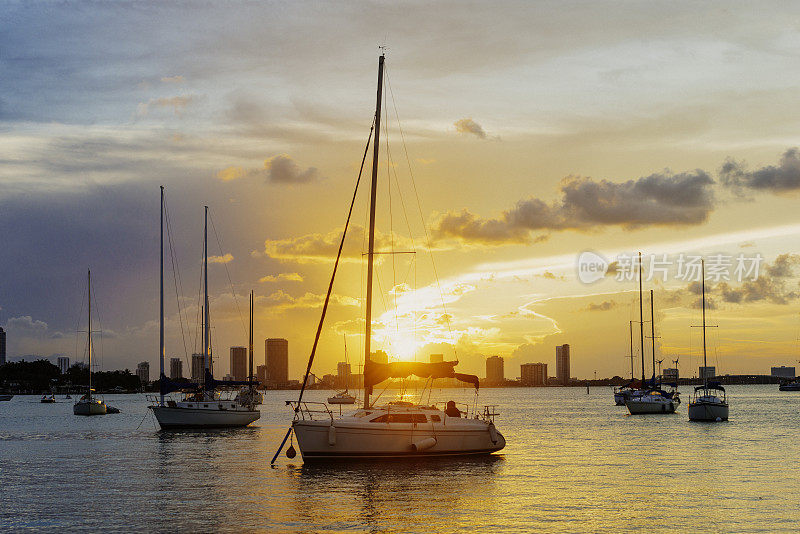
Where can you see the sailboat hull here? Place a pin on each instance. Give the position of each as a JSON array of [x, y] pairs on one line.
[[184, 418], [89, 408], [708, 411], [647, 405], [316, 440]]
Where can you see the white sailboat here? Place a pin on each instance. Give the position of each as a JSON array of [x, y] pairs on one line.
[[651, 399], [89, 404], [395, 429], [343, 397], [709, 402], [205, 407]]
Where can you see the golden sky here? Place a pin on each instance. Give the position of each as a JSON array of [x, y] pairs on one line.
[[535, 131]]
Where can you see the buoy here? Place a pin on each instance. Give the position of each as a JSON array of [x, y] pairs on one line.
[[290, 452], [423, 444]]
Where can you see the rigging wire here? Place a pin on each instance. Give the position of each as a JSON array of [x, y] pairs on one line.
[[230, 282], [176, 277], [428, 241]]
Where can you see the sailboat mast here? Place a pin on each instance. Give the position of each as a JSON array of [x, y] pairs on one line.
[[371, 249], [653, 335], [703, 282], [250, 370], [161, 303], [630, 329], [641, 317], [89, 331], [206, 362]]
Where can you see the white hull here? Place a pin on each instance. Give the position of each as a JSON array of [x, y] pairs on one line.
[[93, 407], [708, 411], [347, 438], [181, 417], [644, 405]]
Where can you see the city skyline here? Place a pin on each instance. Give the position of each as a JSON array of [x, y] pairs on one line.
[[525, 154]]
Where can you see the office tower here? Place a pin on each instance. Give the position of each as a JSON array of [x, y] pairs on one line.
[[533, 374], [670, 375], [175, 368], [143, 372], [562, 364], [261, 374], [197, 368], [495, 371], [238, 367], [2, 346], [343, 375], [782, 371], [277, 351], [707, 372], [63, 364]]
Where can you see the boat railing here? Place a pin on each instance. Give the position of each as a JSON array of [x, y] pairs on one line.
[[489, 412], [311, 411]]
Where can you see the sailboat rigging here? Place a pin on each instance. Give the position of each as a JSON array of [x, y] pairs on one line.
[[89, 404], [396, 429], [709, 402], [203, 406]]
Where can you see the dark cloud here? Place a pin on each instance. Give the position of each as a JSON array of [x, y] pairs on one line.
[[780, 178], [661, 199], [281, 169], [469, 126], [603, 306]]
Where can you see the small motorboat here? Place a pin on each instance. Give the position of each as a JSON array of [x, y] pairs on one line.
[[6, 397], [68, 396], [794, 385], [48, 399], [343, 397]]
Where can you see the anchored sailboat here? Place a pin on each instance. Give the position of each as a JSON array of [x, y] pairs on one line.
[[204, 407], [709, 402], [396, 429], [88, 404]]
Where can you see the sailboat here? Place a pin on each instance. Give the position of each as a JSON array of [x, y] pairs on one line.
[[89, 404], [204, 407], [632, 388], [343, 397], [651, 399], [709, 402], [396, 429], [48, 399]]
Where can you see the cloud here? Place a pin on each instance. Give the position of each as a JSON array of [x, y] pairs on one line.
[[781, 178], [25, 326], [284, 301], [319, 247], [603, 306], [469, 126], [661, 199], [172, 79], [225, 258], [280, 169], [282, 277], [177, 103]]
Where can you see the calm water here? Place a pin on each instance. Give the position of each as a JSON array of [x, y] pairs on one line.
[[574, 463]]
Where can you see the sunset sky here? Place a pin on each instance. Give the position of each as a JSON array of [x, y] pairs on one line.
[[534, 131]]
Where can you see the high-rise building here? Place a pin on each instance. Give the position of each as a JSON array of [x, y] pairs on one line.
[[239, 363], [63, 364], [783, 371], [197, 368], [379, 356], [437, 358], [277, 351], [562, 364], [175, 368], [495, 371], [707, 372], [2, 346], [143, 372], [261, 374], [343, 375], [533, 374], [670, 375]]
